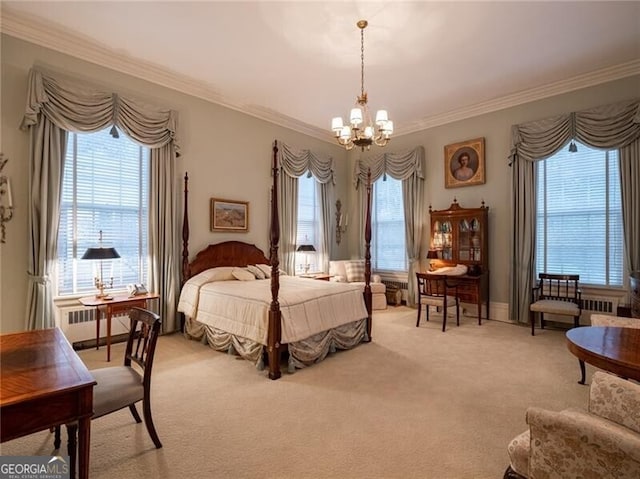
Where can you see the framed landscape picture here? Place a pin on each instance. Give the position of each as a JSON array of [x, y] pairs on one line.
[[464, 163], [229, 215]]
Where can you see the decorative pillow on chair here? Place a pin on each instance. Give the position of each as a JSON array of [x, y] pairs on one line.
[[355, 271]]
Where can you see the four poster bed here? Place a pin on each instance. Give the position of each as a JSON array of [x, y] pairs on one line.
[[260, 316]]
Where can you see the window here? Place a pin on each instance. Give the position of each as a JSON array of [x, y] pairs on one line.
[[308, 221], [579, 217], [388, 246], [105, 187]]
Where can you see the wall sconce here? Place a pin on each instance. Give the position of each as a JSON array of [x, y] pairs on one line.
[[341, 222], [6, 212]]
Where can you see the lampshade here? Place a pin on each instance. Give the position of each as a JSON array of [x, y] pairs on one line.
[[100, 253], [306, 248], [432, 254]]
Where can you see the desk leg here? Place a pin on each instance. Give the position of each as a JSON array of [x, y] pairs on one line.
[[479, 298], [97, 328], [488, 296], [84, 437], [108, 334]]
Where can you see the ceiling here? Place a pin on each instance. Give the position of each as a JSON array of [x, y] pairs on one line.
[[297, 64]]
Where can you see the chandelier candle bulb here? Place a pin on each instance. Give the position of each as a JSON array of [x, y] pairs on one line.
[[356, 116], [382, 117]]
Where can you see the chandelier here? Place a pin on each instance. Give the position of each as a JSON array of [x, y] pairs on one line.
[[361, 131]]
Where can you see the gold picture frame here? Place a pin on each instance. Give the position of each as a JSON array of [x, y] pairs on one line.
[[464, 163], [229, 215]]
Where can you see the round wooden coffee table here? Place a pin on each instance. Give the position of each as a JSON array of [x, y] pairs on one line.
[[616, 350]]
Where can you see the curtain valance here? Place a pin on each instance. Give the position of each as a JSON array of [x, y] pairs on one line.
[[74, 106], [400, 166], [296, 162], [609, 126]]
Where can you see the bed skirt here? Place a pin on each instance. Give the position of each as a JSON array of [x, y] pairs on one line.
[[301, 353]]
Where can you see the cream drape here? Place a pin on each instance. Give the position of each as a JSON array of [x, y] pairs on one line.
[[605, 127], [294, 163], [56, 105], [407, 166]]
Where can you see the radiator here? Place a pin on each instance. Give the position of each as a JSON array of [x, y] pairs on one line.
[[594, 304], [599, 304], [394, 285], [79, 323]]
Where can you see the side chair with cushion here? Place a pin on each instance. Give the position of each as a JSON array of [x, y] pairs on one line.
[[603, 442], [434, 290], [556, 294], [123, 386]]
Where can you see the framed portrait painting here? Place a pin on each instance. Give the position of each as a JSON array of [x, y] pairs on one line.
[[464, 163], [229, 215]]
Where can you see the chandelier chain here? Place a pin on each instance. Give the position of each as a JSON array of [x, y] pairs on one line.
[[362, 63]]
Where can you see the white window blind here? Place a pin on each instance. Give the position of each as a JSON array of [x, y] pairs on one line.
[[579, 217], [105, 187], [388, 246], [308, 221]]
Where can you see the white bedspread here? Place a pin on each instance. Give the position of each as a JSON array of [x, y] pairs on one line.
[[242, 307]]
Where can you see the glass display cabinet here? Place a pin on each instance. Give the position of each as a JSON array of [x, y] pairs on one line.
[[460, 236]]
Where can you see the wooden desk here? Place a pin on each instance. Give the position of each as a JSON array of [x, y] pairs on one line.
[[616, 350], [117, 304], [472, 289], [44, 384]]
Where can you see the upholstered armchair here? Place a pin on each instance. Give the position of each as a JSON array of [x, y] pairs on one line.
[[603, 442], [352, 271]]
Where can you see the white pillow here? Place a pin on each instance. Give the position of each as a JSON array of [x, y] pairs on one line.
[[266, 269], [257, 272], [243, 275], [222, 273]]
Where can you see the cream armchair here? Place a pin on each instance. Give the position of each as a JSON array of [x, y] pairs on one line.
[[603, 442], [352, 271]]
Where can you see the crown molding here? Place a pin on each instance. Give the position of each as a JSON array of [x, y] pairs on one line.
[[31, 30], [28, 29], [593, 78]]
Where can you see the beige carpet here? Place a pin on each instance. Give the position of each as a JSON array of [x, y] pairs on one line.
[[414, 403]]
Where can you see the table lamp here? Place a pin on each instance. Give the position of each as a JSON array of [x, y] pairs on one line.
[[100, 253], [306, 248], [431, 255]]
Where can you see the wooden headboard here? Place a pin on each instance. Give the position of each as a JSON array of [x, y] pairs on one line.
[[227, 253]]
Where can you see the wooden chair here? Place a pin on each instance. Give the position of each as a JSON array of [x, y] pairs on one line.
[[434, 290], [122, 386], [556, 294]]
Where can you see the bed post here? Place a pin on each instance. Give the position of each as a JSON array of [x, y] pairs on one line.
[[275, 332], [185, 230], [185, 241], [367, 256]]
